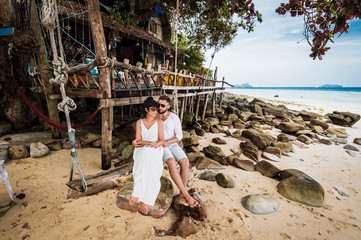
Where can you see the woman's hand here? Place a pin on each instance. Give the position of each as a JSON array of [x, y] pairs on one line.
[[154, 145]]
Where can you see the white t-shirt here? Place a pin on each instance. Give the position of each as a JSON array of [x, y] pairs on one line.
[[172, 127]]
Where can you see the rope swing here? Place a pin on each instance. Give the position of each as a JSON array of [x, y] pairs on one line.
[[49, 18]]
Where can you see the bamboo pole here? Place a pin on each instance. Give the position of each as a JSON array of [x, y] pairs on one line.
[[221, 97], [107, 113], [197, 107], [205, 106]]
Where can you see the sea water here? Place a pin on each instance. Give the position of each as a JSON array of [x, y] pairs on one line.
[[339, 99]]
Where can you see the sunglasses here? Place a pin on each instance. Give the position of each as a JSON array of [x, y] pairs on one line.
[[163, 105], [153, 109]]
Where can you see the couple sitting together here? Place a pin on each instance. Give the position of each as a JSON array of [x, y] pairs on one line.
[[156, 140]]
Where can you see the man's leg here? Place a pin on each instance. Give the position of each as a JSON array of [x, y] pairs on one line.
[[179, 182], [184, 164]]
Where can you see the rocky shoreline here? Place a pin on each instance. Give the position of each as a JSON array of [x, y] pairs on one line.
[[250, 135]]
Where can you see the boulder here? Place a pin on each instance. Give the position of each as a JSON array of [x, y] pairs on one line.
[[250, 133], [266, 169], [184, 227], [18, 152], [163, 202], [263, 140], [298, 186], [38, 150], [225, 123], [338, 132], [191, 141], [218, 140], [208, 176], [126, 132], [187, 120], [273, 150], [307, 116], [121, 147], [270, 156], [214, 130], [239, 125], [225, 180], [305, 139], [128, 151], [246, 165], [283, 146], [346, 119], [261, 203], [351, 147], [290, 127], [357, 141], [317, 129], [207, 163], [231, 109], [338, 140], [54, 145], [193, 156], [90, 137], [249, 150], [197, 213], [305, 132], [256, 108], [315, 122], [245, 116], [200, 132], [232, 117], [186, 134], [211, 151], [283, 137], [192, 149]]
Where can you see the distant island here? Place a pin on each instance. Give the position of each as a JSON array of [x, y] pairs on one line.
[[244, 85], [330, 86]]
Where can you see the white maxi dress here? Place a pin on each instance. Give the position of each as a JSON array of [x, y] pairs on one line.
[[148, 167]]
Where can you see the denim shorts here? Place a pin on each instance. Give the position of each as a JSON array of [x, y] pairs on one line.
[[173, 150]]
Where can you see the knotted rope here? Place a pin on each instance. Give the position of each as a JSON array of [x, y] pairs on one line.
[[49, 18]]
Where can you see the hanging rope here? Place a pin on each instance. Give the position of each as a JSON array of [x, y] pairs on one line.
[[49, 18]]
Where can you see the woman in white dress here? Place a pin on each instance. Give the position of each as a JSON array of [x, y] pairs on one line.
[[148, 159]]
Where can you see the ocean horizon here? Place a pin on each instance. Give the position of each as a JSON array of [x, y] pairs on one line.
[[332, 99]]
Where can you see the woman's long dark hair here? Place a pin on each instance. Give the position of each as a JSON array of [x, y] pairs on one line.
[[149, 102]]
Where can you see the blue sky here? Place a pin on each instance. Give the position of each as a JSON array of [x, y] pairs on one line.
[[271, 57]]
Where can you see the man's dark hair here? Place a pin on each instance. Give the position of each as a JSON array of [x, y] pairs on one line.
[[164, 97]]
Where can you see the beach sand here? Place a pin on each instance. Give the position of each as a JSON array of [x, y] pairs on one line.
[[45, 213]]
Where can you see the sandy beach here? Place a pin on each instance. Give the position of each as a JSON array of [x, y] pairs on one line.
[[45, 213]]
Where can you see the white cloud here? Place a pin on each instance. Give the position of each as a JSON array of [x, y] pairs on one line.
[[271, 56]]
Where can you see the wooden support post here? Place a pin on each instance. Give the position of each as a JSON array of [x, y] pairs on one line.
[[101, 51], [214, 97], [45, 74], [197, 107], [205, 106], [182, 108], [221, 97], [126, 74]]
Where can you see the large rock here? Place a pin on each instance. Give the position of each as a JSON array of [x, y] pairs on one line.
[[232, 117], [207, 163], [225, 180], [211, 151], [261, 203], [126, 132], [246, 165], [245, 116], [193, 156], [250, 133], [54, 145], [128, 151], [121, 147], [191, 141], [249, 150], [338, 132], [357, 141], [346, 119], [298, 186], [307, 116], [274, 150], [90, 137], [163, 202], [283, 146], [18, 152], [305, 139], [263, 140], [197, 213], [208, 176], [290, 127], [267, 169], [256, 108], [187, 120], [200, 132], [315, 122], [185, 226], [38, 150]]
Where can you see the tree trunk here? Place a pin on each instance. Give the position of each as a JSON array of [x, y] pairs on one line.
[[13, 107]]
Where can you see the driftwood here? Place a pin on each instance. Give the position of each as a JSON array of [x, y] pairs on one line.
[[98, 182]]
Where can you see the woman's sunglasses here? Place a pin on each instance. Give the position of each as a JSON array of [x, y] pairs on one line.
[[153, 109]]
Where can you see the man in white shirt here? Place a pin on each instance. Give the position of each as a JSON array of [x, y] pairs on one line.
[[173, 152]]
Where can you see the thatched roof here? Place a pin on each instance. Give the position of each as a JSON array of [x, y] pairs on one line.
[[68, 8]]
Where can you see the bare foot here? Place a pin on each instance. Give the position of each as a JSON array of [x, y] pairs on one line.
[[192, 202], [133, 200], [143, 209], [182, 200]]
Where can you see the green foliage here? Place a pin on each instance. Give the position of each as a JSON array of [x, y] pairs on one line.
[[214, 23], [196, 57], [122, 13]]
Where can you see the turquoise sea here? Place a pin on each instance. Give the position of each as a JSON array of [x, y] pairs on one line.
[[340, 99]]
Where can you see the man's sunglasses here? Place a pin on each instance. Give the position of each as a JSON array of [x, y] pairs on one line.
[[153, 109], [163, 105]]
